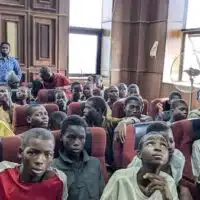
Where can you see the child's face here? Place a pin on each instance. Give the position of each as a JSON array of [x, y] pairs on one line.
[[89, 109], [37, 156], [4, 96], [14, 85], [87, 92], [74, 139], [154, 150], [77, 92], [180, 112], [123, 91], [39, 118], [133, 91], [61, 100], [90, 79], [22, 93], [133, 109], [113, 93]]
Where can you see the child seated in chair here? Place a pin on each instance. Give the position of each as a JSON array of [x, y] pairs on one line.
[[133, 90], [123, 90], [164, 110], [133, 108], [87, 92], [176, 162], [147, 182], [6, 105], [113, 95], [176, 159], [77, 92], [84, 176], [34, 178], [56, 119], [178, 111], [37, 116], [61, 100], [21, 96], [13, 81]]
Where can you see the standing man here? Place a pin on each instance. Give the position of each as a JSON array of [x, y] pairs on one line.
[[8, 64]]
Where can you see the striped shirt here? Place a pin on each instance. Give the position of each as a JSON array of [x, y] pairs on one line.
[[7, 65]]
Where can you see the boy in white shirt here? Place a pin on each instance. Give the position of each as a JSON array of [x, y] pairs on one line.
[[176, 162], [147, 182]]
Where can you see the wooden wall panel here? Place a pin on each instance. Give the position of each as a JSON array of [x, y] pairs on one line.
[[44, 42], [17, 3], [8, 22], [40, 36], [49, 5]]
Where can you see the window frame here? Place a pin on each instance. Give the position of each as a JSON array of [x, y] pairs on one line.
[[89, 31], [185, 32]]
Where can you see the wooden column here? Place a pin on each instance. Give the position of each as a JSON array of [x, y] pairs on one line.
[[136, 25]]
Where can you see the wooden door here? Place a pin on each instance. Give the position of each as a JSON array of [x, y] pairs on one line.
[[34, 29]]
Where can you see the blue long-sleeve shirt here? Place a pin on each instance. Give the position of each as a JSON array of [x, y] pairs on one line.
[[8, 64]]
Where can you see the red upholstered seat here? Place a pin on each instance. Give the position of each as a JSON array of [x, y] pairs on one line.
[[75, 108], [47, 95], [185, 132], [184, 135], [118, 108], [124, 153], [20, 124], [153, 110], [9, 147]]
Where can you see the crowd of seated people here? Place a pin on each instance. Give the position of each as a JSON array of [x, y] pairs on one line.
[[156, 172]]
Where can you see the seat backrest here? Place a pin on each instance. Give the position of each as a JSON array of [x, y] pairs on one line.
[[153, 110], [20, 124], [118, 108], [75, 108], [95, 142], [48, 95], [124, 153], [185, 132]]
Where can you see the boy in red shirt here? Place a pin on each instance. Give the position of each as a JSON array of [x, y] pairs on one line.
[[34, 178]]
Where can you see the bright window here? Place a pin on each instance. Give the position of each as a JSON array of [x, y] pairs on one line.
[[189, 56], [82, 54], [86, 13]]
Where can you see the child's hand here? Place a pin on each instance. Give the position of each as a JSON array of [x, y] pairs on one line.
[[157, 183], [159, 107], [120, 132]]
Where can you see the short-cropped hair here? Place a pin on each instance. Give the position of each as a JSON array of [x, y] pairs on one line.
[[178, 102], [37, 133]]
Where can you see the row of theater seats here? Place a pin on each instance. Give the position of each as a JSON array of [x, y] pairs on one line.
[[47, 96], [9, 147], [185, 132]]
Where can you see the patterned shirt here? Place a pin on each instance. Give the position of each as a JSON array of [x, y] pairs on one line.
[[7, 65]]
